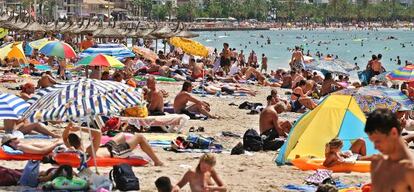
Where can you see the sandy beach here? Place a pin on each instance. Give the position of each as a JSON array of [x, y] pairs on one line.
[[249, 172]]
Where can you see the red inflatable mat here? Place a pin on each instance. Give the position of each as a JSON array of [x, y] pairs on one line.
[[19, 157], [73, 160]]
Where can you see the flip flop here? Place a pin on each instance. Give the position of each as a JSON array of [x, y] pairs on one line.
[[192, 129], [200, 129]]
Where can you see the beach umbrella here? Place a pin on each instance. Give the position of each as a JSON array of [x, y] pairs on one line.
[[11, 106], [58, 49], [13, 50], [37, 44], [189, 46], [145, 52], [118, 51], [101, 60], [370, 98], [405, 74], [326, 66], [81, 98], [3, 32]]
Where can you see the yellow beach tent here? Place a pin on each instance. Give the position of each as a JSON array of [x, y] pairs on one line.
[[336, 116]]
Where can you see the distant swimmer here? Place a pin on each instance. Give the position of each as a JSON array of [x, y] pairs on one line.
[[355, 58]]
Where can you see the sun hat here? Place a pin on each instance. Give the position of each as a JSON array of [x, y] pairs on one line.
[[6, 138]]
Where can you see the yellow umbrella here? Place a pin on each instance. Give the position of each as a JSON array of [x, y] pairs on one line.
[[39, 43], [13, 50], [189, 46], [3, 32]]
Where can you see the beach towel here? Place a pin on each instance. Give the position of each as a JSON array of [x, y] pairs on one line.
[[176, 122], [311, 188], [18, 155], [200, 92], [194, 150]]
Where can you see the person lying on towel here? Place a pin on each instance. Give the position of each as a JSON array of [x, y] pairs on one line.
[[116, 147], [334, 155], [24, 127], [40, 148]]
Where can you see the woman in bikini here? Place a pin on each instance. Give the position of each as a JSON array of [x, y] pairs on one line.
[[299, 98]]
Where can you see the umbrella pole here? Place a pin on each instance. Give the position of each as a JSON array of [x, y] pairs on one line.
[[156, 46], [92, 147]]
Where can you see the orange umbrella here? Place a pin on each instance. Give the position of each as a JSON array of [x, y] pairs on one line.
[[146, 53]]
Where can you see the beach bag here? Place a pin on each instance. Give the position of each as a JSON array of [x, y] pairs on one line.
[[100, 182], [138, 111], [199, 142], [252, 141], [63, 183], [30, 174], [9, 177], [113, 124], [124, 177]]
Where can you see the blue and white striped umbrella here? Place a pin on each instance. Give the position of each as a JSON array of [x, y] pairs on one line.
[[11, 106], [77, 99], [116, 50]]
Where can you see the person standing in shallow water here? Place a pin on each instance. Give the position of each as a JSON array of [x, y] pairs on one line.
[[264, 63], [393, 169]]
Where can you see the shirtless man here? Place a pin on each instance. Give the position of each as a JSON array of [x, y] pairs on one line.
[[15, 143], [27, 90], [200, 178], [376, 67], [271, 128], [393, 170], [46, 81], [181, 100], [297, 61], [197, 70], [264, 63], [154, 98], [117, 146]]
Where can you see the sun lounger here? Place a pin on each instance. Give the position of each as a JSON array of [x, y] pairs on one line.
[[175, 121]]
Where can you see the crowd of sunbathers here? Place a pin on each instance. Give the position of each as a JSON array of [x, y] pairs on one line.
[[225, 72]]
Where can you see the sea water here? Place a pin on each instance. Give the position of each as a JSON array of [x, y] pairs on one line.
[[345, 44]]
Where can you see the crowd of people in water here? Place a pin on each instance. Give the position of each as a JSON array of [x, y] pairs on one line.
[[226, 71]]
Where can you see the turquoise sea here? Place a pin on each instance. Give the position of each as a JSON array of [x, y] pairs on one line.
[[345, 44]]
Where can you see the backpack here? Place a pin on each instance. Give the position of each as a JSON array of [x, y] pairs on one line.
[[252, 141], [30, 174], [9, 177], [124, 177]]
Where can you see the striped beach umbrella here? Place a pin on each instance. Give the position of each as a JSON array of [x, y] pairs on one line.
[[81, 98], [370, 98], [115, 50], [405, 74], [101, 60], [11, 106], [58, 49]]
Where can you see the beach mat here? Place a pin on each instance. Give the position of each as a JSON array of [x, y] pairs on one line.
[[155, 140]]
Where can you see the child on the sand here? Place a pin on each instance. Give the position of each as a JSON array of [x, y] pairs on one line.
[[334, 155], [200, 178]]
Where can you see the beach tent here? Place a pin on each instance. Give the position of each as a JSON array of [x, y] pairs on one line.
[[336, 116]]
